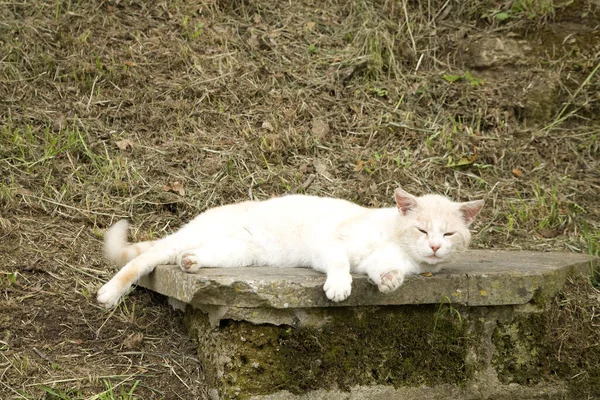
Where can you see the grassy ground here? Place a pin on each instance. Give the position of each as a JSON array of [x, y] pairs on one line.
[[156, 111]]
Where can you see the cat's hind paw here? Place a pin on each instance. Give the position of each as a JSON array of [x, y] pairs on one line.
[[390, 281], [108, 296], [338, 286], [188, 262]]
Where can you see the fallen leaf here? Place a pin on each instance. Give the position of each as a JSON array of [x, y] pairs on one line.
[[22, 191], [451, 78], [175, 187], [503, 16], [549, 233], [124, 144], [130, 63], [133, 341], [463, 161], [267, 125], [517, 172], [360, 164], [427, 274]]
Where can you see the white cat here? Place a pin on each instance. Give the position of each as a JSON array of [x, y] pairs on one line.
[[333, 236]]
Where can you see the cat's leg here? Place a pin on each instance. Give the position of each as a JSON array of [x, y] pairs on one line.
[[384, 274], [162, 253], [333, 260], [386, 268], [390, 280], [219, 253]]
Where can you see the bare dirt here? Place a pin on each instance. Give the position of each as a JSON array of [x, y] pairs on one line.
[[155, 111]]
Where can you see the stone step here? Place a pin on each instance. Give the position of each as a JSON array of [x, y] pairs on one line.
[[476, 330], [476, 278], [474, 392]]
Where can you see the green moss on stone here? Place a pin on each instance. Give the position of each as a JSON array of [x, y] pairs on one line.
[[517, 349], [561, 344], [557, 343], [399, 346]]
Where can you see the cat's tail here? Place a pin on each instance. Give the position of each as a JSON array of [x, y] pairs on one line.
[[116, 247]]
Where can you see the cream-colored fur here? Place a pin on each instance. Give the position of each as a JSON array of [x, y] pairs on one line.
[[330, 235]]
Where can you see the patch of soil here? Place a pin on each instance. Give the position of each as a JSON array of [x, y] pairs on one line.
[[54, 336]]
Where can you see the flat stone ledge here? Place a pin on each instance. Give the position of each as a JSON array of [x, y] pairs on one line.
[[475, 278], [471, 392]]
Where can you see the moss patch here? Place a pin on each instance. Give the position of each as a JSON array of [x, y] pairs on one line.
[[517, 358], [396, 346], [562, 343]]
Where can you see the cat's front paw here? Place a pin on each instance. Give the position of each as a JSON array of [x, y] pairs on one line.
[[390, 281], [188, 262], [338, 286], [108, 296]]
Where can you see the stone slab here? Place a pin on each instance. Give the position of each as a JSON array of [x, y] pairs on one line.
[[470, 392], [475, 278]]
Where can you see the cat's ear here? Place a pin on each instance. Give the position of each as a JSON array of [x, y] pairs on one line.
[[470, 209], [404, 201]]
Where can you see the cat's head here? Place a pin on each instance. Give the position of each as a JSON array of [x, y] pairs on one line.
[[434, 227]]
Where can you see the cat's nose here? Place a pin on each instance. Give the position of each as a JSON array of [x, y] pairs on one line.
[[434, 247]]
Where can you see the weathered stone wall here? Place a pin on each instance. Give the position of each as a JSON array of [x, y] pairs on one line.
[[389, 345], [506, 336], [470, 352]]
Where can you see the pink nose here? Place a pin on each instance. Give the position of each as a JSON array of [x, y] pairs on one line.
[[434, 247]]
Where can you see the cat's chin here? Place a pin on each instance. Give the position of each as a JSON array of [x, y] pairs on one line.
[[432, 260]]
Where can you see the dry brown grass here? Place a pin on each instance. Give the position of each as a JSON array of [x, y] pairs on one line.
[[104, 104]]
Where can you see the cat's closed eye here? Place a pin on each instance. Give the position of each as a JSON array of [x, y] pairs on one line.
[[422, 230], [449, 234]]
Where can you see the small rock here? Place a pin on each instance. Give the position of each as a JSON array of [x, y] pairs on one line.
[[495, 52], [124, 144]]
